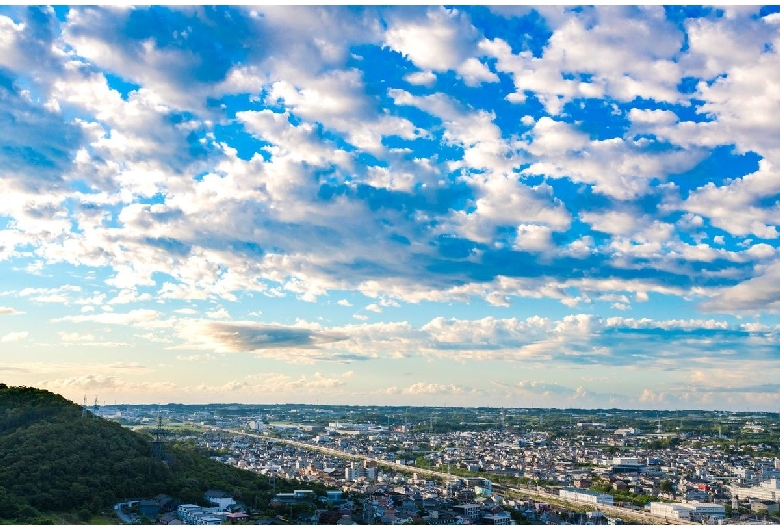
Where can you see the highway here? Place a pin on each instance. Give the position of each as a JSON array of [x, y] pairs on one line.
[[536, 494]]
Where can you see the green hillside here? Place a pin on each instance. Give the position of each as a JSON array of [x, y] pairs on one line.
[[53, 460]]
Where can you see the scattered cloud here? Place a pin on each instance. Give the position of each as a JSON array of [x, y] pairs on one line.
[[14, 336], [167, 172]]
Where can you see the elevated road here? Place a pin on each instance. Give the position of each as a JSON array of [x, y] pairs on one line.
[[533, 493]]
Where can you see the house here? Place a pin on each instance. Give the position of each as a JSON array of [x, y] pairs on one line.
[[194, 514], [167, 518], [237, 517], [496, 518], [346, 519], [468, 510], [148, 508], [166, 503], [219, 498]]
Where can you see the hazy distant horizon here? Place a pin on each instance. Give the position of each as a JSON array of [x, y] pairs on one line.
[[412, 205], [225, 404]]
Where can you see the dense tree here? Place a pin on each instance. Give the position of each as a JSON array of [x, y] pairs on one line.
[[54, 459]]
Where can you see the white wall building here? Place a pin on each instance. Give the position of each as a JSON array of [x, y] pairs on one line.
[[219, 498], [768, 490], [354, 471], [581, 495], [693, 511], [703, 511], [671, 511], [194, 514]]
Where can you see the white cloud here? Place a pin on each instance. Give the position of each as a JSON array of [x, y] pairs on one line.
[[14, 336], [424, 78], [436, 389], [635, 58], [443, 40]]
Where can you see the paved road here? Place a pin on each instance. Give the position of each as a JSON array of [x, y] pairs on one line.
[[127, 519], [613, 511]]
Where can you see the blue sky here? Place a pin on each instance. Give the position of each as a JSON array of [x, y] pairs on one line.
[[551, 206]]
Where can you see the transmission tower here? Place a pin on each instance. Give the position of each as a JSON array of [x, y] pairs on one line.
[[158, 445], [84, 409]]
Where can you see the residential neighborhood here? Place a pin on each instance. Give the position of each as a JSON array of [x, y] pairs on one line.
[[584, 472]]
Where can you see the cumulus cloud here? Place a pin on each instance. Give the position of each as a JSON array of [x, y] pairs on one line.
[[441, 40]]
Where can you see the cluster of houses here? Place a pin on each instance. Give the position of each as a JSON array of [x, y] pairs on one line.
[[691, 472], [221, 509]]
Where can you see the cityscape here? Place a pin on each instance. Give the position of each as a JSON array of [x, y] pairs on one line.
[[389, 264], [435, 465]]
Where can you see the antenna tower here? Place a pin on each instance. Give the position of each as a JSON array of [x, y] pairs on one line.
[[158, 445], [84, 410]]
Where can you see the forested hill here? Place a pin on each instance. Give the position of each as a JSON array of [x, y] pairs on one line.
[[53, 460]]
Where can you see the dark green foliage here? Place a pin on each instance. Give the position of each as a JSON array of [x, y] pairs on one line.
[[55, 460]]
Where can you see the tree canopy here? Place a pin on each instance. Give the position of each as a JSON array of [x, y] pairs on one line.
[[54, 459]]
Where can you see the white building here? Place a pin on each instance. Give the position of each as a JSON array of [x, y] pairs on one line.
[[354, 471], [219, 498], [768, 490], [671, 511], [693, 511], [256, 425], [703, 511], [627, 431], [587, 496], [194, 514]]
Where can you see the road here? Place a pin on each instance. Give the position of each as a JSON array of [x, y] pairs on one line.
[[612, 511], [127, 519]]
